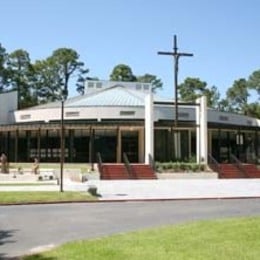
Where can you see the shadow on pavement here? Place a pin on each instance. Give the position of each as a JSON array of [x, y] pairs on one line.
[[5, 236]]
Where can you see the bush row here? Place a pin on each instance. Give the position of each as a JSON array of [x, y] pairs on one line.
[[179, 167]]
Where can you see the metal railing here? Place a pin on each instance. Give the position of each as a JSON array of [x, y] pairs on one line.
[[214, 164], [152, 163], [239, 165], [128, 167], [99, 161]]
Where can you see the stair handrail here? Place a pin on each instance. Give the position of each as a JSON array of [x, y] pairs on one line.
[[235, 161], [99, 161], [128, 166], [152, 162], [215, 164]]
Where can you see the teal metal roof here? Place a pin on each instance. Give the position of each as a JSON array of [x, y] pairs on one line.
[[113, 96]]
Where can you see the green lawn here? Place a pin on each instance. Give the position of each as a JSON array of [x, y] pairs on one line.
[[42, 196], [231, 239]]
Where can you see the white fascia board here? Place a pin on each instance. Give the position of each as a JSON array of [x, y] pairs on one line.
[[54, 114], [130, 112], [232, 119]]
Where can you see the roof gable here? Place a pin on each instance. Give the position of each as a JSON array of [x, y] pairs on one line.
[[114, 96]]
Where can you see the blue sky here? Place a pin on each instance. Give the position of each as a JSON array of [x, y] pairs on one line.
[[223, 35]]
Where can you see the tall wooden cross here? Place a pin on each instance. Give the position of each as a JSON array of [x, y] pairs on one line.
[[176, 55]]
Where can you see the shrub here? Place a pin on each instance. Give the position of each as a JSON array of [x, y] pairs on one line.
[[179, 167]]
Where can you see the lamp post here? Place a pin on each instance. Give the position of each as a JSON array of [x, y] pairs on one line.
[[62, 143]]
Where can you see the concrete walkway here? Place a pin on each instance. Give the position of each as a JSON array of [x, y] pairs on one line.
[[158, 189], [177, 189]]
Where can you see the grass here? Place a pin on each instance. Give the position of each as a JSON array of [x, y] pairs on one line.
[[42, 196], [230, 239]]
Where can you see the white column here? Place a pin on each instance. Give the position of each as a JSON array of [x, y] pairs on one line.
[[119, 146], [149, 131], [204, 130], [198, 130]]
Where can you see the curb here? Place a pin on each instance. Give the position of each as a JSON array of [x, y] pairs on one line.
[[127, 200]]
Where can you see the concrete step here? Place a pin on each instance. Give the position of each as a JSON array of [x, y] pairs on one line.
[[13, 177], [143, 171]]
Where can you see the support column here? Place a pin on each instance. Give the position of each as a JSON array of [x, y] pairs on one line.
[[171, 145], [39, 144], [177, 144], [210, 142], [189, 142], [141, 145], [198, 151], [7, 145], [202, 130], [149, 128], [257, 154], [90, 145], [28, 145], [71, 146], [119, 146], [91, 158], [16, 145]]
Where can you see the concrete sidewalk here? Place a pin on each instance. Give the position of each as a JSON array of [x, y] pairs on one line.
[[177, 189], [158, 189]]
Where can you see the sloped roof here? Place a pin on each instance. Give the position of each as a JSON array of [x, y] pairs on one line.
[[117, 95], [114, 96]]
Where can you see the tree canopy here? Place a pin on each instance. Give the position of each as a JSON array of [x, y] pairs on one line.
[[42, 81], [254, 82], [50, 79], [20, 72], [54, 73], [237, 97], [3, 70], [122, 72], [192, 88], [66, 64]]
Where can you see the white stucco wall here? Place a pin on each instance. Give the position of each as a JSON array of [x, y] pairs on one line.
[[161, 112], [98, 113]]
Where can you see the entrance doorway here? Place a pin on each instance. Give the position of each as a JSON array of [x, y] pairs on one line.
[[129, 140]]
